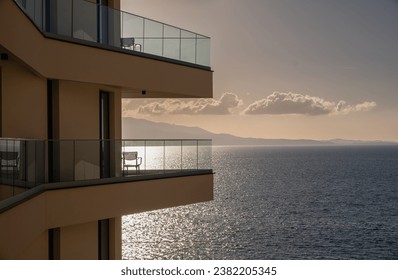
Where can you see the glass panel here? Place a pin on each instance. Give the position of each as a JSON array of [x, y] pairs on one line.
[[66, 160], [85, 20], [63, 17], [189, 154], [29, 7], [25, 163], [40, 162], [103, 24], [114, 27], [188, 46], [87, 160], [153, 37], [11, 173], [32, 163], [204, 154], [154, 152], [203, 51], [38, 17], [133, 27], [171, 48], [50, 8], [33, 9], [30, 160], [173, 152], [21, 3]]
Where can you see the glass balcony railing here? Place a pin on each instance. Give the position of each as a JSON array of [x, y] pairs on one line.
[[84, 20], [25, 164]]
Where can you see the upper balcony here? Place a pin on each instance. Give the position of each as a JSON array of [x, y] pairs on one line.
[[84, 21]]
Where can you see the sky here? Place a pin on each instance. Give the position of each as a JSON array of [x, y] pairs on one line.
[[295, 69]]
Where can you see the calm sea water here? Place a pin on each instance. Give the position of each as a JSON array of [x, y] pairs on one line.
[[281, 203]]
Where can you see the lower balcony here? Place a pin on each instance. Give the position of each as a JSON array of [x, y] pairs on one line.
[[28, 165], [73, 186]]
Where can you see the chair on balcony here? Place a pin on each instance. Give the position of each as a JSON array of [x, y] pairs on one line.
[[131, 159], [9, 161], [129, 43]]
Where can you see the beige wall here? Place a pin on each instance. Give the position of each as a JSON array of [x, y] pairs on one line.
[[66, 61], [37, 248], [24, 106], [79, 110], [24, 102], [115, 4], [24, 226], [74, 206], [79, 242]]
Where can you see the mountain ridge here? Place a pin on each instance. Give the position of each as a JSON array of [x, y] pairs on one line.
[[143, 129]]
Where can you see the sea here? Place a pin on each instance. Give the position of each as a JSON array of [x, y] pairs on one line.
[[318, 202]]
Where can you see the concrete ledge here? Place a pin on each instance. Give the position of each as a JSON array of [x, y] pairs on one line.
[[30, 193]]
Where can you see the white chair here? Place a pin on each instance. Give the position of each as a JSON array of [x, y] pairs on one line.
[[131, 159]]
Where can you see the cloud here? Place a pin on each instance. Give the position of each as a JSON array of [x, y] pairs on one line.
[[279, 103], [223, 106], [343, 108]]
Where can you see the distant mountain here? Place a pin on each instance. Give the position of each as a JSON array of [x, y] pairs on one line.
[[361, 142], [143, 129]]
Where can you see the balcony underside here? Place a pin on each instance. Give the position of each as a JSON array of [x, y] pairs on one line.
[[79, 61], [59, 206]]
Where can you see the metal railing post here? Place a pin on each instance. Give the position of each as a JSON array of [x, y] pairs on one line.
[[197, 154], [164, 155], [74, 160], [145, 154]]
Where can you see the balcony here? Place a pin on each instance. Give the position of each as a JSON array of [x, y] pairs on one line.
[[89, 23], [26, 165]]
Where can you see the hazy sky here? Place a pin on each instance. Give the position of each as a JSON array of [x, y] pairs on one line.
[[317, 69]]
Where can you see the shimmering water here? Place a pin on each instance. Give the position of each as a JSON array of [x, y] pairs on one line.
[[281, 203]]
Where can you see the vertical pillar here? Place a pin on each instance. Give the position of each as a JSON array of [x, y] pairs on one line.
[[104, 123], [103, 239], [115, 238], [1, 105], [54, 241], [53, 131]]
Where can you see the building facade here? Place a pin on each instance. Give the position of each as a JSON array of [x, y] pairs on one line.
[[65, 177]]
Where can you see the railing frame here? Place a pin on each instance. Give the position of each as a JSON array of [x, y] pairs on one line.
[[44, 22], [79, 160]]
